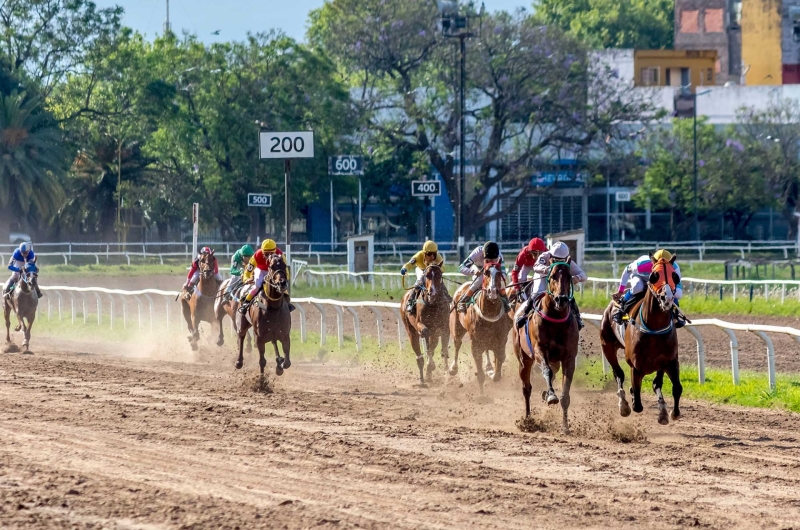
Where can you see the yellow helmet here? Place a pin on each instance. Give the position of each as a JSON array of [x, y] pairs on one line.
[[268, 245], [662, 254], [430, 246]]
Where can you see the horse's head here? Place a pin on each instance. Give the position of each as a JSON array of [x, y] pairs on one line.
[[27, 281], [493, 280], [278, 275], [207, 265], [559, 283], [663, 281], [433, 282]]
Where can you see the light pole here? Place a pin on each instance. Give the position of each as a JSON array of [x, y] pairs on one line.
[[694, 183], [456, 25]]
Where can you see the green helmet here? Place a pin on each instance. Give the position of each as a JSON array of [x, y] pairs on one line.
[[247, 250]]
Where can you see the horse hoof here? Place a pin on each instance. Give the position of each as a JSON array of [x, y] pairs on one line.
[[239, 365], [544, 395], [552, 399], [675, 415], [286, 364], [431, 366], [220, 342], [637, 408], [496, 377], [278, 370], [663, 418], [453, 370], [624, 409]]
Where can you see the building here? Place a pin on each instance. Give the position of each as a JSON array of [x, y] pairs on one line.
[[712, 25], [675, 68]]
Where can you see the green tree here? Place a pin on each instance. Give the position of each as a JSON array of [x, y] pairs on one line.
[[531, 94], [640, 24], [32, 161]]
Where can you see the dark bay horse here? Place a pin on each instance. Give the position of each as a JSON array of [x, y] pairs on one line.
[[487, 323], [224, 307], [199, 307], [650, 342], [429, 320], [269, 317], [23, 302], [550, 337]]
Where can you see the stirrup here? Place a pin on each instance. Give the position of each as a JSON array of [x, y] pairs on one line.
[[461, 307], [520, 323]]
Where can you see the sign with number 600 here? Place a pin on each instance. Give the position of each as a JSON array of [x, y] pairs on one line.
[[346, 165], [286, 144], [426, 188]]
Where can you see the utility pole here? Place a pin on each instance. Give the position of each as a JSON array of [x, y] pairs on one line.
[[167, 26]]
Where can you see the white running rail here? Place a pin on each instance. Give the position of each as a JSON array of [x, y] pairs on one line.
[[99, 294]]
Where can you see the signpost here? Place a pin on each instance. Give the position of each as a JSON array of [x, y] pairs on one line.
[[430, 189], [286, 145], [259, 200], [195, 222], [348, 165], [623, 196]]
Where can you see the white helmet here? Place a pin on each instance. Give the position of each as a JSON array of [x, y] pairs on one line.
[[24, 247], [559, 250]]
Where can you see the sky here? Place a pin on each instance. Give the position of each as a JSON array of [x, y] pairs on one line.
[[234, 18]]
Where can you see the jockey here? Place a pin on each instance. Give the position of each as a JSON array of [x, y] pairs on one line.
[[637, 274], [526, 259], [260, 264], [22, 259], [239, 261], [558, 252], [194, 273], [489, 252], [429, 255]]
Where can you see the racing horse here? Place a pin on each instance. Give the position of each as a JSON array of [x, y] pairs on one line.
[[650, 341], [22, 300], [428, 322], [224, 307], [487, 323], [269, 317], [199, 307], [550, 338]]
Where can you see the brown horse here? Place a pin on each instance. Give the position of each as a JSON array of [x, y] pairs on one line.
[[650, 342], [429, 320], [269, 317], [224, 307], [23, 302], [550, 337], [487, 323], [199, 307]]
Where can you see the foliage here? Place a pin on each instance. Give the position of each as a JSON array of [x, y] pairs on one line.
[[31, 160], [531, 94], [638, 24]]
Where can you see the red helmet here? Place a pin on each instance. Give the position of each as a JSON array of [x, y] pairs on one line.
[[537, 245], [205, 250]]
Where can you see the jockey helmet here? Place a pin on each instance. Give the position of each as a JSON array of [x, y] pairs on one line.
[[662, 254], [247, 250], [268, 245], [205, 250], [24, 248], [559, 250], [430, 246], [491, 250], [537, 245]]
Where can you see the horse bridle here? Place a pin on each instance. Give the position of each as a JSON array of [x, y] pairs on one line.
[[560, 298], [431, 293], [662, 298], [208, 270], [270, 281]]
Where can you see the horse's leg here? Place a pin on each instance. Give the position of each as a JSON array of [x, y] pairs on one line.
[[548, 396], [567, 372], [286, 346], [457, 331], [432, 342], [487, 364], [499, 359], [663, 417], [610, 353], [249, 342], [636, 390], [187, 316], [477, 356], [27, 343], [242, 332], [7, 315], [525, 365], [415, 345], [220, 317], [278, 360], [674, 374], [240, 360], [262, 361], [445, 338]]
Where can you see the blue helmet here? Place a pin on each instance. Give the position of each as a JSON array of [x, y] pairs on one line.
[[24, 247]]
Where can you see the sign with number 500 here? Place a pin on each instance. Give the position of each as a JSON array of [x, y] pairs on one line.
[[286, 144]]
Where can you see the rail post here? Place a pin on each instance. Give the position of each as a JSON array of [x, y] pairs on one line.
[[378, 324], [356, 327], [322, 327], [734, 355], [770, 357], [701, 354], [339, 325], [303, 330]]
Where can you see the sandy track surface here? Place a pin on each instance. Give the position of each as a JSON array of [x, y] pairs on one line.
[[94, 440]]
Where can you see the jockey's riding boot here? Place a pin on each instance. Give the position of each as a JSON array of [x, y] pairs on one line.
[[526, 309], [506, 303], [680, 320], [38, 291], [289, 303], [617, 315], [461, 307], [412, 301], [577, 314], [245, 304]]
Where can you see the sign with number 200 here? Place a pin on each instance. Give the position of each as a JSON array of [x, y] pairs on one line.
[[286, 144]]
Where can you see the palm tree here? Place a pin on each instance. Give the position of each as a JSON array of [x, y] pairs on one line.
[[32, 162]]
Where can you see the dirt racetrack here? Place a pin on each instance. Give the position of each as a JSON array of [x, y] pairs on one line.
[[101, 436]]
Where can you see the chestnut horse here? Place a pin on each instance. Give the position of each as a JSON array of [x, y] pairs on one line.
[[650, 342], [550, 337], [22, 300], [199, 307], [428, 320], [269, 317], [224, 307], [487, 323]]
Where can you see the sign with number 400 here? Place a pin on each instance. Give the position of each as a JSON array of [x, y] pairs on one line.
[[426, 188]]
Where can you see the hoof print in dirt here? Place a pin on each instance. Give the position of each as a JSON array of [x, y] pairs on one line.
[[11, 348], [261, 385]]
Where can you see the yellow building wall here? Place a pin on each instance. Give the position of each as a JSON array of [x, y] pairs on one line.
[[761, 42], [698, 62]]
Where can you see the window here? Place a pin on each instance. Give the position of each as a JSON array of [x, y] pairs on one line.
[[650, 76], [713, 21], [689, 21], [735, 13], [794, 16]]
